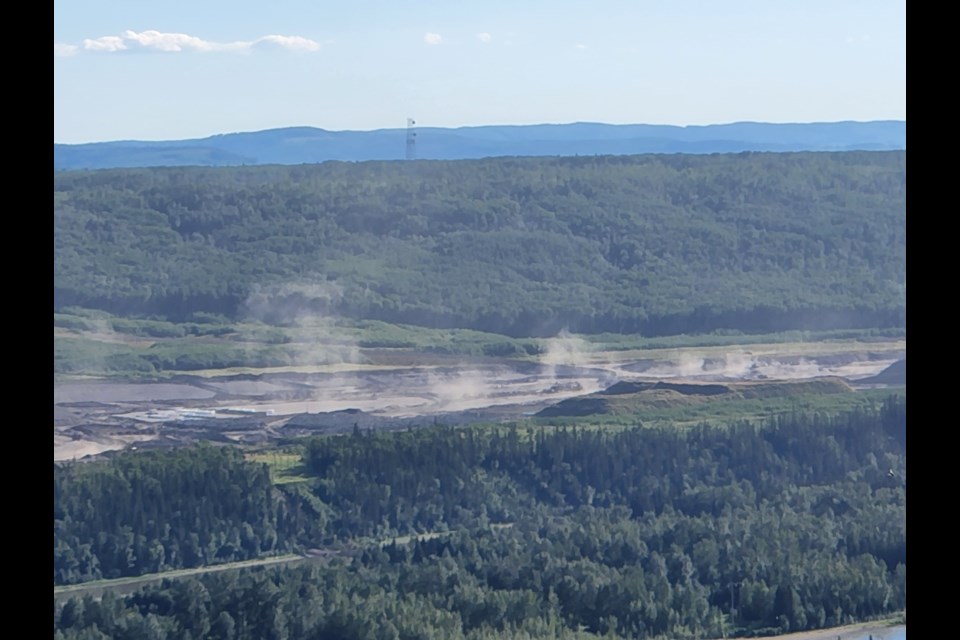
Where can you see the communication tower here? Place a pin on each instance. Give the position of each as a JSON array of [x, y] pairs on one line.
[[411, 139]]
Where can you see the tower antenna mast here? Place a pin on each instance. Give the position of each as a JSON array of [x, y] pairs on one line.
[[411, 139]]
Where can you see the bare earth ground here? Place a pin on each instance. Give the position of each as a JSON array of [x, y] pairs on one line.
[[92, 417]]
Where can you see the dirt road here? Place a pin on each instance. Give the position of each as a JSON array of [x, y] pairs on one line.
[[134, 583]]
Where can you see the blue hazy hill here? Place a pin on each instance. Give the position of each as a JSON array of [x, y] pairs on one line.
[[298, 145]]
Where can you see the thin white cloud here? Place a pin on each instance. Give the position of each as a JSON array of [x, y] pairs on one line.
[[152, 40], [294, 43], [432, 38], [485, 38], [61, 50], [172, 42], [581, 46], [104, 43]]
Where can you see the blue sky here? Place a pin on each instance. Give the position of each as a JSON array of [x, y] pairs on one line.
[[132, 69]]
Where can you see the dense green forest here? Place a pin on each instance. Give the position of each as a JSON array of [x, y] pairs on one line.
[[535, 532], [658, 244], [161, 510]]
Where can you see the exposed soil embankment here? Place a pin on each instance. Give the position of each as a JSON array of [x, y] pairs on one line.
[[895, 374], [622, 388]]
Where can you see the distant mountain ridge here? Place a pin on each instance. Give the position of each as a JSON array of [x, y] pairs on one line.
[[302, 145]]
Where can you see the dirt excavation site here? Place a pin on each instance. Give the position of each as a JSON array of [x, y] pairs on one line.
[[256, 406]]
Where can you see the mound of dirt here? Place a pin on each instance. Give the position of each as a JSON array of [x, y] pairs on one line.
[[577, 407], [625, 387], [895, 374]]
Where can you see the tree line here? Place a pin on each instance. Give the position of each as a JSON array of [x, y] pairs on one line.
[[162, 510]]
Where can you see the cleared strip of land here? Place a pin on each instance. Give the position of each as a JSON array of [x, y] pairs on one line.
[[134, 582]]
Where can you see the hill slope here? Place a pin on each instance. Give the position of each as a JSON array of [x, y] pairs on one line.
[[655, 244], [298, 145]]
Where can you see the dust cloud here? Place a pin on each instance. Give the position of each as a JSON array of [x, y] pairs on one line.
[[566, 350], [308, 324]]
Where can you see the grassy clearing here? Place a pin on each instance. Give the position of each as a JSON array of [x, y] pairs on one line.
[[721, 410], [286, 465], [620, 342], [90, 342], [325, 368], [756, 349]]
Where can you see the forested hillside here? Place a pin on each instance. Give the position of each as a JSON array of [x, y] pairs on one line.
[[298, 145], [162, 510], [524, 246], [643, 533]]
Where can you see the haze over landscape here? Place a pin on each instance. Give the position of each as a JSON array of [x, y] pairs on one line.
[[532, 320], [306, 144], [166, 71]]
